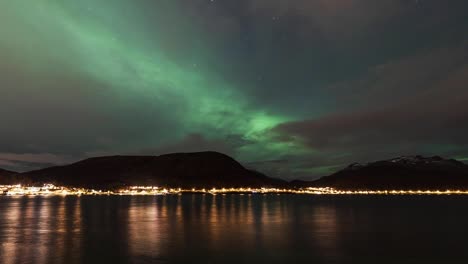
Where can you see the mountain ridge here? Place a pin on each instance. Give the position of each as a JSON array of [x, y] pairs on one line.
[[404, 172], [198, 169], [212, 169], [7, 176]]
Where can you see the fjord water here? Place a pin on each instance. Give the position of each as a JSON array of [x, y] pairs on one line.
[[234, 229]]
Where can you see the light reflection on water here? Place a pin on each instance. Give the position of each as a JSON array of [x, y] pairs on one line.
[[40, 230], [233, 229]]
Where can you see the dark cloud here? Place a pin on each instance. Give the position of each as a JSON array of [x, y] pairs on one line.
[[407, 78], [415, 105], [402, 126], [30, 161]]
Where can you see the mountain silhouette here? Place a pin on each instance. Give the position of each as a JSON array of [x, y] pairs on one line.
[[407, 172], [7, 177], [185, 170], [213, 169]]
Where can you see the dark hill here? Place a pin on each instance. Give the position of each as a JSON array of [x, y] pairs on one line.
[[414, 172], [202, 169], [7, 177]]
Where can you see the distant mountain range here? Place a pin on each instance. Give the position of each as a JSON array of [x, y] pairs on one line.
[[212, 169], [407, 172]]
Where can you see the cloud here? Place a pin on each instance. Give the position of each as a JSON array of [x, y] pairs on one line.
[[35, 157], [423, 74], [417, 104], [29, 161], [400, 125]]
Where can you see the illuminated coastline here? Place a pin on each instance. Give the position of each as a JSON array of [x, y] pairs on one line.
[[49, 189]]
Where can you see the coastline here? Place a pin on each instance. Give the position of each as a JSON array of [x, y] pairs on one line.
[[52, 190]]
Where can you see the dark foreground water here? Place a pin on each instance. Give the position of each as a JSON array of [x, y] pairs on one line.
[[234, 229]]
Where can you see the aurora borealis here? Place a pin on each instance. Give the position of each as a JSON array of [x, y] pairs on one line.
[[293, 88]]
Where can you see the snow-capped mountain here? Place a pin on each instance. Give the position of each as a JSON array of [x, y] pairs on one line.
[[405, 172]]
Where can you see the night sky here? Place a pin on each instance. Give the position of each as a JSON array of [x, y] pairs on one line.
[[293, 88]]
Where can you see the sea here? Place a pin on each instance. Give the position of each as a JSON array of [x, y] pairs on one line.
[[234, 228]]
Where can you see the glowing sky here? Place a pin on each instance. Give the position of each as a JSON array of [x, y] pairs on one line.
[[292, 88]]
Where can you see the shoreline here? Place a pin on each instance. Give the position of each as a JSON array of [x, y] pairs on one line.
[[52, 190]]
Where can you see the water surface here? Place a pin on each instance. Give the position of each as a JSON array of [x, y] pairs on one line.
[[234, 229]]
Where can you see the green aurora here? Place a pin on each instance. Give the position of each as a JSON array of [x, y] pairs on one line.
[[155, 76]]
